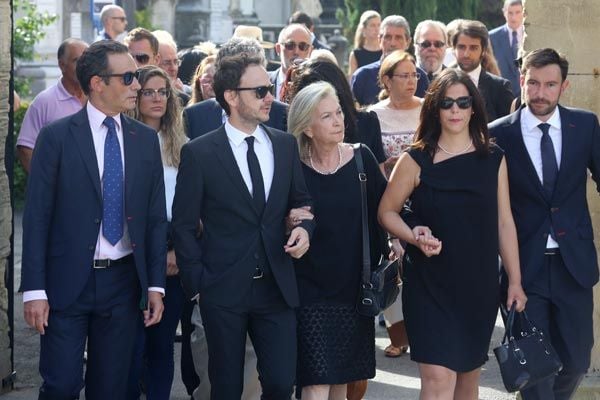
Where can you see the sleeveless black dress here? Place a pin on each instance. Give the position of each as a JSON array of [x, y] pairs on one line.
[[364, 56], [451, 300]]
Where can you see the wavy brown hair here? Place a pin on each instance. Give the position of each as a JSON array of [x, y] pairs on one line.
[[196, 85], [429, 130], [171, 126]]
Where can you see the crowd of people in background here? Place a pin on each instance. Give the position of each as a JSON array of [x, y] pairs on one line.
[[214, 189]]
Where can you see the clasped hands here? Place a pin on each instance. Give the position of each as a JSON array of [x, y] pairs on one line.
[[426, 242], [298, 242]]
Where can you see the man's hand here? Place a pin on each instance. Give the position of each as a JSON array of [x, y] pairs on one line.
[[426, 242], [172, 263], [155, 309], [298, 243], [36, 314]]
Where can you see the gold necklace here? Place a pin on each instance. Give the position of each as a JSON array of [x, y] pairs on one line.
[[312, 164]]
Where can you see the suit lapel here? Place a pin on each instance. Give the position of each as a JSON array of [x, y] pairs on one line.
[[130, 154], [278, 165], [567, 127], [82, 134]]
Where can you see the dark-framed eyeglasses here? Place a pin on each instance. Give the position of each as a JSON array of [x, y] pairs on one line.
[[141, 58], [463, 102], [162, 93], [122, 19], [407, 76], [126, 76], [438, 44], [302, 46], [260, 91]]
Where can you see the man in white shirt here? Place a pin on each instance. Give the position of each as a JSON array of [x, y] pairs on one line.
[[506, 42]]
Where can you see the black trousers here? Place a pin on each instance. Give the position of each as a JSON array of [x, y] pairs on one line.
[[271, 325]]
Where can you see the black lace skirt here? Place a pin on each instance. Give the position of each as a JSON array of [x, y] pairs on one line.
[[335, 345]]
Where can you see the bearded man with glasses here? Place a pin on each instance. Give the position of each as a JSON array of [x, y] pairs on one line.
[[430, 46], [94, 228]]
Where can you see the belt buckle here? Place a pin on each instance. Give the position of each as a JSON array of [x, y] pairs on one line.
[[258, 273], [551, 252], [97, 264]]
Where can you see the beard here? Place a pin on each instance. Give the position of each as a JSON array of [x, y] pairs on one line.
[[541, 107]]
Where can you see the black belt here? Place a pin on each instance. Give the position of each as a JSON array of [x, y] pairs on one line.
[[101, 264], [554, 251]]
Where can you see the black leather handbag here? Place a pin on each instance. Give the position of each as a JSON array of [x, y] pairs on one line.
[[527, 357], [379, 287]]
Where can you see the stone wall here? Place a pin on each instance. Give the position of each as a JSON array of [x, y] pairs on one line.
[[5, 209]]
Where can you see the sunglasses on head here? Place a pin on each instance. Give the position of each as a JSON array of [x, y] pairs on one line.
[[260, 91], [141, 58], [127, 76], [427, 44], [303, 46], [463, 102]]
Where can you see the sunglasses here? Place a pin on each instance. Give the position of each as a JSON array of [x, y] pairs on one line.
[[162, 93], [302, 46], [260, 91], [127, 76], [141, 58], [463, 102], [427, 44]]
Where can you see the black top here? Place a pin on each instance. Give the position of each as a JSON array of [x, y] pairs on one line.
[[331, 269], [364, 56], [369, 133]]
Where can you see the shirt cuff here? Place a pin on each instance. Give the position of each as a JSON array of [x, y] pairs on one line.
[[30, 295], [157, 289]]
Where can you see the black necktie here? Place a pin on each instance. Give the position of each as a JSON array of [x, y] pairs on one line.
[[514, 46], [430, 76], [549, 165], [258, 185]]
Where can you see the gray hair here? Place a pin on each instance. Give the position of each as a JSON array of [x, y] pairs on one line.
[[165, 37], [301, 111], [107, 12], [239, 45], [397, 21], [429, 23], [508, 3]]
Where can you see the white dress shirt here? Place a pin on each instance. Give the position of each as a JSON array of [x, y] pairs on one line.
[[532, 136], [264, 152], [475, 74], [170, 177], [520, 32]]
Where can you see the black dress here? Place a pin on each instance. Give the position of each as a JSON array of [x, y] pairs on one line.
[[451, 300], [364, 56], [335, 344]]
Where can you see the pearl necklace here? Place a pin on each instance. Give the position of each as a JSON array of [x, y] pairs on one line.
[[458, 153], [312, 164]]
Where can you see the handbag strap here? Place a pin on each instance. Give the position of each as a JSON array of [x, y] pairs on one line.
[[362, 177]]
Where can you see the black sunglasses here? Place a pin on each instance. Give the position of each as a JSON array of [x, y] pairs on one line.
[[141, 58], [427, 44], [260, 91], [127, 76], [303, 46], [463, 102]]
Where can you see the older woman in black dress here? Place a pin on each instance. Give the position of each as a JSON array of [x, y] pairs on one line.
[[458, 186], [335, 344]]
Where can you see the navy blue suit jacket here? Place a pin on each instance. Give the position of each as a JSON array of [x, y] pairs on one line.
[[220, 264], [63, 209], [497, 95], [500, 39], [567, 211], [207, 115]]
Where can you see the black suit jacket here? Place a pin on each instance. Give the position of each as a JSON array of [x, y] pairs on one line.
[[496, 93], [210, 189], [63, 209], [567, 211], [207, 115]]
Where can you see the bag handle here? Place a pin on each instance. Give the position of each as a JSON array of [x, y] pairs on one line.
[[362, 177], [510, 321]]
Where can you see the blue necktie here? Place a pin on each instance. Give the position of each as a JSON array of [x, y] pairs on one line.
[[258, 185], [549, 164], [112, 186], [514, 46]]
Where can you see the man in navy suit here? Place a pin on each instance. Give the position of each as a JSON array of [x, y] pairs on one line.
[[94, 229], [506, 40], [549, 150], [239, 182]]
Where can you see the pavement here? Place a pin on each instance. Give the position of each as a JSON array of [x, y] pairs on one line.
[[396, 378]]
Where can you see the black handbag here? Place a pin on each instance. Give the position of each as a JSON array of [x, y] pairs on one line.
[[378, 288], [528, 357]]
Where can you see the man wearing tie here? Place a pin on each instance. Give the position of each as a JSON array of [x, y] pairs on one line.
[[234, 189], [94, 228], [549, 149]]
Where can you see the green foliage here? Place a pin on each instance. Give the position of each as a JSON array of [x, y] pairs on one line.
[[20, 176], [350, 16], [143, 19], [29, 28]]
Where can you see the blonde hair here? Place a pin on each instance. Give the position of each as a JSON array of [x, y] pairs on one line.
[[302, 109], [388, 65], [359, 39], [202, 67], [323, 55]]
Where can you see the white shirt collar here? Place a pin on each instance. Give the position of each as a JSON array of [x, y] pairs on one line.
[[530, 121], [97, 117], [237, 137], [474, 75]]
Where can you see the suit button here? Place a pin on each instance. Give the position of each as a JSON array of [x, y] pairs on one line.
[[91, 247], [97, 221]]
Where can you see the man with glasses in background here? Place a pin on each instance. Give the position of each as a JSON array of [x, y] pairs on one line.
[[294, 43], [167, 50], [143, 47], [114, 22], [430, 46], [94, 228]]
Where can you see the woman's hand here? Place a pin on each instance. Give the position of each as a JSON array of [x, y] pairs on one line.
[[296, 216], [171, 263], [397, 251], [426, 242], [516, 294]]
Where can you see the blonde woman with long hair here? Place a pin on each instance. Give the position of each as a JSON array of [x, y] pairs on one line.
[[366, 41]]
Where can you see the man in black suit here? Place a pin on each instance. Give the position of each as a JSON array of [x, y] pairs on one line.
[[470, 43], [94, 229], [238, 183], [549, 149]]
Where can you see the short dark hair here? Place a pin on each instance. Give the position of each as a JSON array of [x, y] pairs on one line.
[[229, 73], [541, 57], [62, 49], [303, 18], [474, 29], [429, 130], [94, 61], [139, 34]]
